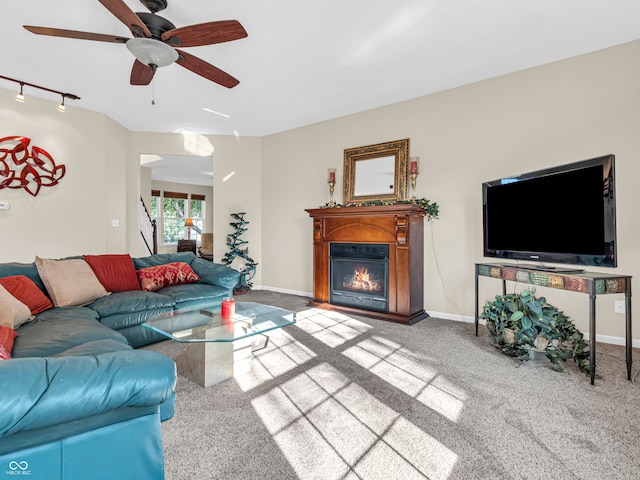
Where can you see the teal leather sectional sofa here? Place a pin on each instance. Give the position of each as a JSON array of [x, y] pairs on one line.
[[78, 400]]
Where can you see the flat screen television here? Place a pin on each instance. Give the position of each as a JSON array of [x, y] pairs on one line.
[[564, 214]]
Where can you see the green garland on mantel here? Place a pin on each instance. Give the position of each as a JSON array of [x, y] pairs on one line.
[[431, 208]]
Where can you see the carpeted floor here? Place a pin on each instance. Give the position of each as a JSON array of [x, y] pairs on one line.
[[338, 397]]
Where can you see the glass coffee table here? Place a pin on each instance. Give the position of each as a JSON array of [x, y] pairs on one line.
[[219, 348]]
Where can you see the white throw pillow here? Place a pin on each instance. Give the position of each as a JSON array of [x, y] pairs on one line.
[[69, 282]]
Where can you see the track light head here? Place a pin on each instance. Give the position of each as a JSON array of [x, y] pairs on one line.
[[20, 96]]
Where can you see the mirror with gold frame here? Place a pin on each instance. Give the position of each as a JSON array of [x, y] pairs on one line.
[[376, 172]]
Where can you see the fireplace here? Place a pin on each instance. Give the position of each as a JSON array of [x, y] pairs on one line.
[[369, 261], [359, 276]]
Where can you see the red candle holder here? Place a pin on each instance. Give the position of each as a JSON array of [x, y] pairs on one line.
[[414, 170], [228, 308], [331, 180], [414, 165]]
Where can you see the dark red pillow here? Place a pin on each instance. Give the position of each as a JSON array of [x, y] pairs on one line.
[[25, 290], [115, 272], [160, 276], [7, 336]]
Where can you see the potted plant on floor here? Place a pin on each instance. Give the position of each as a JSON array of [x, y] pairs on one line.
[[520, 323], [238, 250]]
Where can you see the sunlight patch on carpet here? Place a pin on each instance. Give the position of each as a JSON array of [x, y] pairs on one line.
[[331, 428], [282, 354], [331, 328], [409, 372]]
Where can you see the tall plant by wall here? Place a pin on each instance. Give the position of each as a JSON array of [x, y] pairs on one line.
[[239, 252], [519, 323]]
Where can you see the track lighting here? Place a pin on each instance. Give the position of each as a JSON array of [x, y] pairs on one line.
[[20, 96]]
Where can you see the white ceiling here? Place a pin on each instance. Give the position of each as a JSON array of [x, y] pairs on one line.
[[303, 61]]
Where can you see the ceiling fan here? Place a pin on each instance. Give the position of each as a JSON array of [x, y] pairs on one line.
[[155, 38]]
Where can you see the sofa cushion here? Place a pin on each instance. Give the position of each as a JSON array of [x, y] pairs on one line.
[[26, 290], [7, 336], [57, 314], [69, 282], [215, 273], [121, 321], [154, 278], [53, 391], [94, 348], [115, 272], [13, 312], [59, 333], [130, 302], [195, 296]]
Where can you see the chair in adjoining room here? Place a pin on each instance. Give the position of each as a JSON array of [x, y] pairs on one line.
[[205, 250]]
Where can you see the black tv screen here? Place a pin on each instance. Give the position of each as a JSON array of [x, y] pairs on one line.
[[564, 214]]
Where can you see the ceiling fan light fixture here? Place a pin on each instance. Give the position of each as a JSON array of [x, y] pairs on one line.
[[152, 52]]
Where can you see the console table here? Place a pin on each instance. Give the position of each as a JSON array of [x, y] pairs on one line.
[[591, 283], [187, 246]]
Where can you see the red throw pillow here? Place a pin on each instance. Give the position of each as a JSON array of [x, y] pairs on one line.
[[115, 272], [25, 290], [160, 276], [7, 336]]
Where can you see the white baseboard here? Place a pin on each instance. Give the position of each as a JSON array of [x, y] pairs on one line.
[[456, 318], [283, 290], [450, 316], [599, 338]]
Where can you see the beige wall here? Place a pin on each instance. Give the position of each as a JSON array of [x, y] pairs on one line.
[[550, 115], [73, 217]]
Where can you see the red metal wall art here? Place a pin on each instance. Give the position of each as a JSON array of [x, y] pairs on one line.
[[28, 169]]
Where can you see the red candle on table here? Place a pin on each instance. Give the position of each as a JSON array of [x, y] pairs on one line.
[[332, 176], [228, 308], [414, 166]]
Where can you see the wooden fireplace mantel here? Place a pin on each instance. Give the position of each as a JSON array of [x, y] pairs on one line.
[[399, 226]]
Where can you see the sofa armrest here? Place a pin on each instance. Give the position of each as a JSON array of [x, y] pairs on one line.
[[215, 273], [55, 390]]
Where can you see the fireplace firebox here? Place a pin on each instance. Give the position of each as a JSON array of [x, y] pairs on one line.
[[359, 276]]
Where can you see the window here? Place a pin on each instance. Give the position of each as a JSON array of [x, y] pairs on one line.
[[171, 209]]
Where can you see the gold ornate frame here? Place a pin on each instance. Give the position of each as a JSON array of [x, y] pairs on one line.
[[395, 153]]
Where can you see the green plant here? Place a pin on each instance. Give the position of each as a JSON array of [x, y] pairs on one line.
[[238, 249], [432, 209], [520, 322]]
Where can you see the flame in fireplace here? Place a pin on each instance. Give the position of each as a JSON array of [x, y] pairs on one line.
[[361, 280]]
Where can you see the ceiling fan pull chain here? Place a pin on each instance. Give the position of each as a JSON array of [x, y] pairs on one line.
[[153, 91]]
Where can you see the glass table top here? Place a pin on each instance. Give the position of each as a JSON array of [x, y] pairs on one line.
[[208, 326]]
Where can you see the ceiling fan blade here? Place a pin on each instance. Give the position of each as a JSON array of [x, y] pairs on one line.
[[205, 34], [206, 70], [58, 32], [127, 16], [141, 74]]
